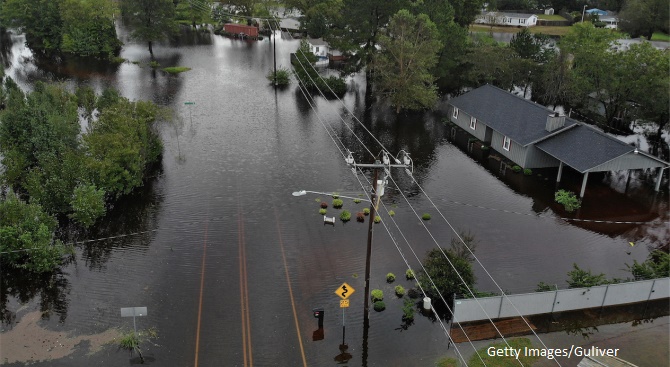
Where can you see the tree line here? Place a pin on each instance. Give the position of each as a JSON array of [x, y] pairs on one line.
[[58, 28], [56, 171]]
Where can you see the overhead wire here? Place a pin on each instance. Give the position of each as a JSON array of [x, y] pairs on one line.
[[448, 260], [312, 105]]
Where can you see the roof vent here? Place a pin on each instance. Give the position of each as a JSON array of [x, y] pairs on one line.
[[555, 121]]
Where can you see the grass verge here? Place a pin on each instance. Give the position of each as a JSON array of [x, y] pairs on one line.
[[176, 69]]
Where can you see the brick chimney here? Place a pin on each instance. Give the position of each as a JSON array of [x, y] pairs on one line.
[[555, 121]]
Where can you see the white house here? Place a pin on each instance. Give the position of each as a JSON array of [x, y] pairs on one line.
[[508, 19], [320, 48], [611, 21]]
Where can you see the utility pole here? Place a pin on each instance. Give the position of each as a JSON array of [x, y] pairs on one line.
[[275, 54], [375, 196]]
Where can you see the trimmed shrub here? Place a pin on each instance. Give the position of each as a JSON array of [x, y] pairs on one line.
[[425, 216], [335, 195], [399, 291], [322, 211], [357, 201], [366, 211], [390, 277], [516, 168], [409, 274], [324, 205], [337, 203], [391, 213], [378, 219], [360, 217], [379, 306], [345, 216], [568, 199], [377, 295], [527, 172]]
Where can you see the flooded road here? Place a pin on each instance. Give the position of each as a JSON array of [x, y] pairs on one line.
[[230, 264]]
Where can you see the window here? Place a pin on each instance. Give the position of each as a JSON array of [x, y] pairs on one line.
[[455, 114], [317, 49], [473, 123], [522, 21], [506, 143]]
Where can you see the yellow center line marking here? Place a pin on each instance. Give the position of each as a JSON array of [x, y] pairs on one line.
[[290, 290], [202, 287]]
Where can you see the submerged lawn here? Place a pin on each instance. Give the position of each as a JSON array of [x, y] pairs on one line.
[[176, 69]]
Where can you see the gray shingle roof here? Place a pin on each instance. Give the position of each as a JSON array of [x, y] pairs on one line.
[[583, 148], [517, 118]]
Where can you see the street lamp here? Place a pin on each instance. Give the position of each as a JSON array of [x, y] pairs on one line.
[[304, 192], [583, 10]]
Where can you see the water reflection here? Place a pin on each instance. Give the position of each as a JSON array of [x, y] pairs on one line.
[[22, 287]]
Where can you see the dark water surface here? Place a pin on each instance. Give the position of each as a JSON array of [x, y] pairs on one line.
[[225, 256]]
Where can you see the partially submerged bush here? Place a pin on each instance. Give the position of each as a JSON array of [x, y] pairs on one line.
[[377, 295], [324, 205], [379, 306], [366, 211], [337, 203], [409, 274], [399, 291], [527, 172], [322, 211], [425, 216], [390, 277], [391, 213], [516, 168], [568, 199], [378, 219], [408, 310], [360, 217], [345, 216]]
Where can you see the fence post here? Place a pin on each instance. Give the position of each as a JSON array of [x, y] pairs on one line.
[[653, 283], [604, 298], [500, 308]]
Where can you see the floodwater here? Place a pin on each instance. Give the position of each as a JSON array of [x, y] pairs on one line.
[[230, 264]]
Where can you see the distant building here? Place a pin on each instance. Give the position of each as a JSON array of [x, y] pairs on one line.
[[507, 19]]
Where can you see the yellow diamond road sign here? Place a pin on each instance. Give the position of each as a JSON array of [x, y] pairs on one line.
[[344, 303], [344, 291]]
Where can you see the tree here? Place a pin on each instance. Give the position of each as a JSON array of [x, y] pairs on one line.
[[88, 204], [151, 20], [491, 63], [446, 278], [644, 17], [40, 20], [121, 144], [194, 11], [27, 236], [532, 46], [403, 67], [88, 28], [465, 11]]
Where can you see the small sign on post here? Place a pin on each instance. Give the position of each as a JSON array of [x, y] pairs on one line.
[[133, 312], [344, 303]]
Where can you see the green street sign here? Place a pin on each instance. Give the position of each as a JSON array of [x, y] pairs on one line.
[[189, 102]]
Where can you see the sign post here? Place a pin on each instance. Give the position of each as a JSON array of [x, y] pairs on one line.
[[344, 291], [134, 312]]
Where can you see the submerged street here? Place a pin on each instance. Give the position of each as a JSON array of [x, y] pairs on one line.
[[230, 265]]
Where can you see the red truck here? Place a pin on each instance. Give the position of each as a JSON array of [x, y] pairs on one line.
[[247, 30]]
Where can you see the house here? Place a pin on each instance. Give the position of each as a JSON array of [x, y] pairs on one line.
[[241, 30], [507, 19], [320, 48], [611, 21], [596, 11], [532, 136]]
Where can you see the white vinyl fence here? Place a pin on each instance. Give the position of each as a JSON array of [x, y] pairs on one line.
[[560, 300]]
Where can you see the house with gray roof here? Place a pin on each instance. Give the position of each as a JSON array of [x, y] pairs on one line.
[[533, 136], [507, 19]]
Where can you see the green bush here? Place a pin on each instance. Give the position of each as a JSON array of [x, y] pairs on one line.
[[366, 211], [516, 168], [543, 287], [337, 203], [425, 216], [379, 306], [345, 216], [390, 277], [399, 291], [391, 213], [408, 310], [377, 295], [378, 219], [485, 147], [409, 274], [568, 199], [154, 64], [283, 77], [322, 211], [357, 201], [335, 195], [527, 172]]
